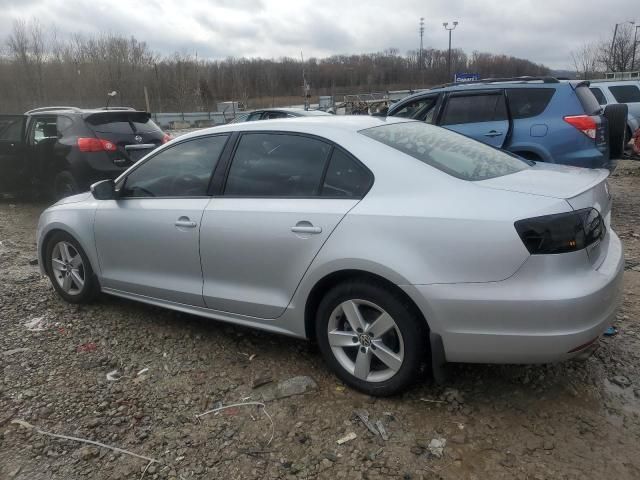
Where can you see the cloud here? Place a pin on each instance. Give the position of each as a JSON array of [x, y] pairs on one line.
[[543, 31]]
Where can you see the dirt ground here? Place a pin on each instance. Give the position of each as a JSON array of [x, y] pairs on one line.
[[573, 420]]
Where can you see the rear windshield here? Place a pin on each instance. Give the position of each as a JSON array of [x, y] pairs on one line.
[[445, 150], [625, 93], [588, 100], [124, 123]]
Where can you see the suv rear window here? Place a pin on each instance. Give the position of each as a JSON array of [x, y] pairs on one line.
[[528, 102], [455, 154], [124, 123], [625, 93], [588, 100]]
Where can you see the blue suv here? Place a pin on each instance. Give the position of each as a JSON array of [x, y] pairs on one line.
[[542, 119]]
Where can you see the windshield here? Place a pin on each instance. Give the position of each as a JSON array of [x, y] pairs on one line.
[[445, 150]]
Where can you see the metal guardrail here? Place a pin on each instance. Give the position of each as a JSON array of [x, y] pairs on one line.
[[191, 119]]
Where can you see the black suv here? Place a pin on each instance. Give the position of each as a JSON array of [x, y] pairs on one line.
[[61, 151]]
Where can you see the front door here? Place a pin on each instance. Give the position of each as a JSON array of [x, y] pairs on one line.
[[284, 196], [148, 239], [480, 115], [14, 165]]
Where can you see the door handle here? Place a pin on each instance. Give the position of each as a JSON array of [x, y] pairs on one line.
[[184, 222], [305, 227], [493, 133]]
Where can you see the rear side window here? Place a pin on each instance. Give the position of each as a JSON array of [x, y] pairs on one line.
[[625, 93], [474, 109], [182, 170], [345, 177], [277, 165], [455, 154], [599, 95], [418, 109], [122, 123], [588, 100], [528, 102]]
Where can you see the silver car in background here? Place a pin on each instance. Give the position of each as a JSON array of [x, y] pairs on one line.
[[391, 243]]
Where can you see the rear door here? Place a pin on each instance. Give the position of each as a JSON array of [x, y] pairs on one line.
[[284, 196], [133, 134], [14, 165], [481, 115]]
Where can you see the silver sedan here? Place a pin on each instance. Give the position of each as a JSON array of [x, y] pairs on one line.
[[391, 243]]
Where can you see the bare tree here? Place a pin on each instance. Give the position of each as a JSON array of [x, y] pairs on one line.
[[585, 60], [616, 54]]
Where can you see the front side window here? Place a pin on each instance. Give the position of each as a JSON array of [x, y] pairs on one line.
[[625, 93], [448, 151], [277, 165], [474, 109], [11, 128], [182, 170]]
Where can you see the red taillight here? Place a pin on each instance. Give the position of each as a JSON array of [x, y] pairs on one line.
[[96, 145], [585, 123], [166, 138]]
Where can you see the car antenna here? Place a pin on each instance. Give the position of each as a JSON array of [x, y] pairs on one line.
[[110, 95]]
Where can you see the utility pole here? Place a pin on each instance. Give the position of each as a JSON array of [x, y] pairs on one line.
[[450, 29], [305, 86], [635, 44], [420, 62]]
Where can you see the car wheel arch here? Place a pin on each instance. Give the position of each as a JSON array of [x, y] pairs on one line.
[[47, 238], [323, 285]]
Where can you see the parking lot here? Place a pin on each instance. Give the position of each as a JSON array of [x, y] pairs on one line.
[[134, 377]]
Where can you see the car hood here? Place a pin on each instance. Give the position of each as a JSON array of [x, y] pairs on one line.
[[80, 197], [548, 180]]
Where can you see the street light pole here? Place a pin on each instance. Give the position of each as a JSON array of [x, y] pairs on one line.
[[635, 44], [449, 29]]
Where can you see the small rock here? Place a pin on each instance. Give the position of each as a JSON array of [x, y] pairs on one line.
[[459, 438], [621, 381], [534, 443], [326, 463], [548, 444], [261, 380], [33, 261], [436, 447], [86, 453], [416, 450], [287, 388], [509, 460]]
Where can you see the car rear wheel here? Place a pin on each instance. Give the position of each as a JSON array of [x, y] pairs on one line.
[[371, 337], [69, 269], [64, 185]]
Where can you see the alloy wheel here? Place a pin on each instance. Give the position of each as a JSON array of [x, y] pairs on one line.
[[365, 340], [68, 268]]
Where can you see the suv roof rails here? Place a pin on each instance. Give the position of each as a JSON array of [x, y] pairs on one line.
[[503, 80], [128, 109], [47, 109]]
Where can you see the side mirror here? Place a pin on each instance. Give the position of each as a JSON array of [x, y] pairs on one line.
[[104, 190]]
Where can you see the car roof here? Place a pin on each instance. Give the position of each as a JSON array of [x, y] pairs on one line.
[[322, 125], [81, 111], [294, 111]]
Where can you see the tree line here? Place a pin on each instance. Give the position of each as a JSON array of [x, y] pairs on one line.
[[40, 67]]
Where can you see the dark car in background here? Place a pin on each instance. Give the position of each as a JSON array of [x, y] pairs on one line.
[[273, 113], [60, 151], [541, 119]]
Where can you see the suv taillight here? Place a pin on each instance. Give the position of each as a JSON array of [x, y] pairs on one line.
[[585, 123], [87, 144], [562, 232], [166, 137]]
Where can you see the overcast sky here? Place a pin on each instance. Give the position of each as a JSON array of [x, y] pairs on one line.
[[543, 31]]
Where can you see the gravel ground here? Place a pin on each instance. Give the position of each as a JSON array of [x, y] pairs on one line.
[[568, 421]]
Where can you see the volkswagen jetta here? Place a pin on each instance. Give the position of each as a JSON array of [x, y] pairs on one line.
[[390, 242]]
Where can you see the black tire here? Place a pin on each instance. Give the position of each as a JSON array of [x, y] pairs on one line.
[[64, 185], [90, 289], [413, 330], [616, 115]]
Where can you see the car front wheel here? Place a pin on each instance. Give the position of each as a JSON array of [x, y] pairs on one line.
[[371, 337], [69, 269]]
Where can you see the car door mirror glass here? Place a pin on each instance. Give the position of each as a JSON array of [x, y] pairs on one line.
[[104, 190]]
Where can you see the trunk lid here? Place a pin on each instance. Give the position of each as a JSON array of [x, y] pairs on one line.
[[579, 187]]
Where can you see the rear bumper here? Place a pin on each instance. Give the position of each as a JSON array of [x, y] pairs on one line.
[[536, 316]]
